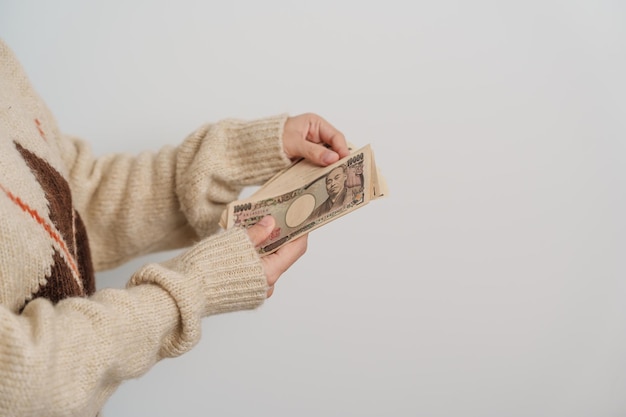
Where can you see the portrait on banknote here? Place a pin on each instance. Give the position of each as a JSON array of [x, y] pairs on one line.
[[342, 186]]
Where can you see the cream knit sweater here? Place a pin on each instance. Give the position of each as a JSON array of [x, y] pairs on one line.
[[64, 347]]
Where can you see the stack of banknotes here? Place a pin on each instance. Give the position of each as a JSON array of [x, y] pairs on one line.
[[304, 197]]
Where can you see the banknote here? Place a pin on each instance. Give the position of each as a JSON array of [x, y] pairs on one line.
[[304, 197]]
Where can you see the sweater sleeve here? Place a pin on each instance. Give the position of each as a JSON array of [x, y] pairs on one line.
[[133, 205], [68, 358]]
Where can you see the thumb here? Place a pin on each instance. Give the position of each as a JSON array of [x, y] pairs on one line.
[[260, 231]]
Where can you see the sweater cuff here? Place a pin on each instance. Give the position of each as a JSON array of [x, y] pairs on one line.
[[255, 148], [218, 161], [217, 275], [230, 270]]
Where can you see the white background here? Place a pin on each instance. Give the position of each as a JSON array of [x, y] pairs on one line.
[[489, 283]]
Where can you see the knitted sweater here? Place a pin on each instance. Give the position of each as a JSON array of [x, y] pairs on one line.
[[64, 347]]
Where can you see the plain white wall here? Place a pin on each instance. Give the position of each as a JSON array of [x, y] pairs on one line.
[[489, 283]]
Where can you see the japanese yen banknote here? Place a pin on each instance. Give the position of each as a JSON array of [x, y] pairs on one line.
[[304, 197]]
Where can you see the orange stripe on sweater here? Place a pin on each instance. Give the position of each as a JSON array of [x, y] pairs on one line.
[[41, 132], [54, 235]]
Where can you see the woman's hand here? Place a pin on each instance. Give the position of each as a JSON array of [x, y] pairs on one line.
[[310, 136], [277, 262], [305, 136]]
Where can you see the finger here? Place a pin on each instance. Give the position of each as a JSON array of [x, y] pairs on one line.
[[270, 291], [325, 144], [260, 231], [321, 131], [278, 262], [329, 135], [318, 153]]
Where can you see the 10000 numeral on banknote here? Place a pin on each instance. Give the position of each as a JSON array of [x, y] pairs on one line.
[[341, 188]]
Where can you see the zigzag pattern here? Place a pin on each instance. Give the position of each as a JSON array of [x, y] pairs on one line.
[[71, 273]]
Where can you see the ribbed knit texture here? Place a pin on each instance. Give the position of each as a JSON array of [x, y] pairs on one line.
[[64, 347]]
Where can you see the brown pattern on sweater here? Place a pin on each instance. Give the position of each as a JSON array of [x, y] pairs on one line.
[[83, 253], [58, 194], [60, 283]]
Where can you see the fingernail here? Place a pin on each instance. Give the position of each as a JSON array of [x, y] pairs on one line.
[[328, 157]]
